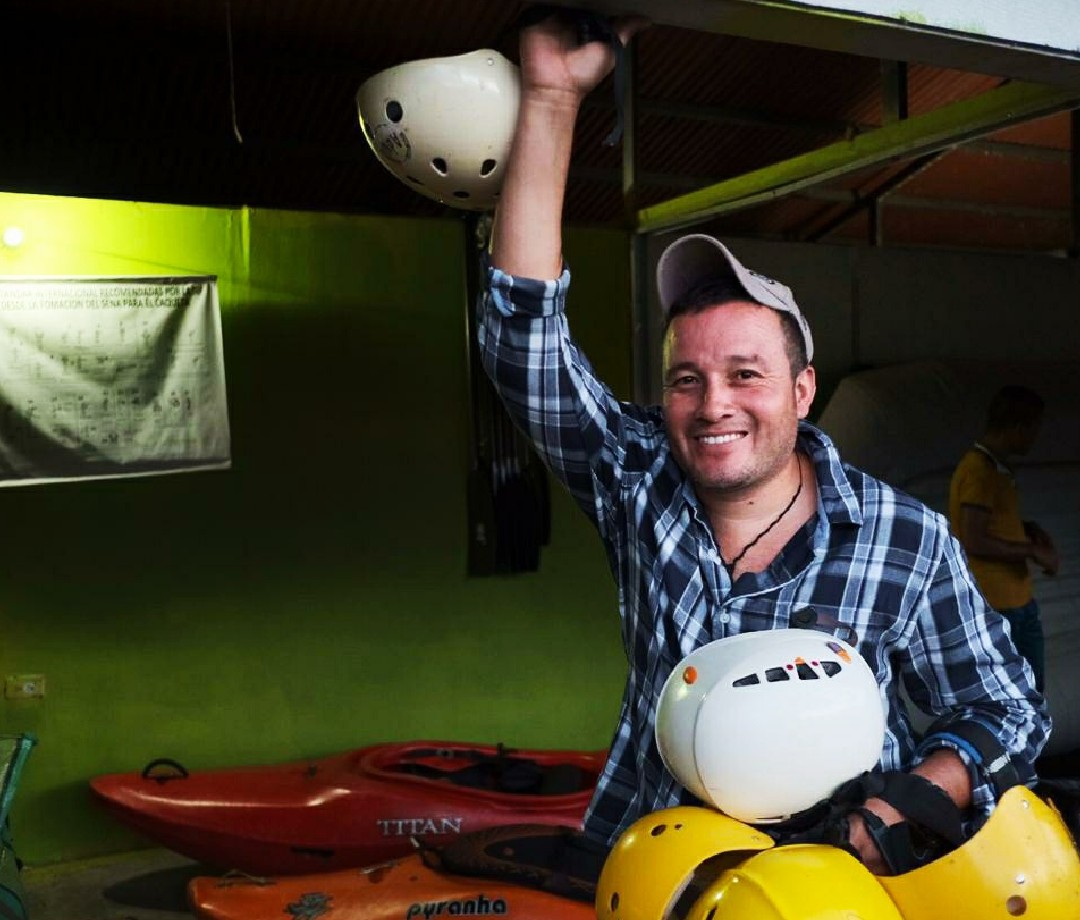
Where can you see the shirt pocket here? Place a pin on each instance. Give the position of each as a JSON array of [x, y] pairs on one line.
[[763, 612]]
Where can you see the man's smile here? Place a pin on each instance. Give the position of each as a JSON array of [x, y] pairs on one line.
[[710, 439]]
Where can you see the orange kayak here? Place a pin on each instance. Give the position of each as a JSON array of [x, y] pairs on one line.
[[404, 889], [352, 809]]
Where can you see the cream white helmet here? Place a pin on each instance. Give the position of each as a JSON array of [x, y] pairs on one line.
[[765, 724], [443, 126]]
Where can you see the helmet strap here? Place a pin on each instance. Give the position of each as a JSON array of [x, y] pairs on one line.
[[934, 824]]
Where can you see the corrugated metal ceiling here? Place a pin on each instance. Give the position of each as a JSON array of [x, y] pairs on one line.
[[136, 100]]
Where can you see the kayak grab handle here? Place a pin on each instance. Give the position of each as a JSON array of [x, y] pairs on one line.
[[181, 772]]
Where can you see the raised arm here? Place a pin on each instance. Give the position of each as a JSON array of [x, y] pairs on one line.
[[556, 75], [548, 386]]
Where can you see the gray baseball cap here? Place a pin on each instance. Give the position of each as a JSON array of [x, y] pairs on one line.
[[698, 257]]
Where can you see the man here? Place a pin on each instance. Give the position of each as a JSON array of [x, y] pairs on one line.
[[723, 511], [984, 508]]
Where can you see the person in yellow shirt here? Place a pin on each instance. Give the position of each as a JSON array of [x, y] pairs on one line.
[[984, 510]]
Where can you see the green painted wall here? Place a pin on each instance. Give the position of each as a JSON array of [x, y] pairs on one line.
[[312, 598]]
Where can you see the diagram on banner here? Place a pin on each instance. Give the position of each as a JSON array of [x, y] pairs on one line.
[[110, 377]]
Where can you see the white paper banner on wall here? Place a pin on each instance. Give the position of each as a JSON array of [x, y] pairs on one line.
[[106, 377]]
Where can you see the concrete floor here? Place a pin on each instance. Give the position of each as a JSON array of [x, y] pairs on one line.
[[145, 885]]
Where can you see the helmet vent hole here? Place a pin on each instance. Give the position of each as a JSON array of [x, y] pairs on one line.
[[439, 165], [1016, 906], [487, 167], [658, 830], [394, 111], [831, 668], [747, 681], [806, 672], [615, 901], [772, 675], [461, 194]]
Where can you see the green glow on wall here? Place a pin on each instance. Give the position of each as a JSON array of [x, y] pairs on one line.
[[75, 236], [313, 598]]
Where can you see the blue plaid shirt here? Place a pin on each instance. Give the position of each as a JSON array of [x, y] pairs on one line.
[[872, 558]]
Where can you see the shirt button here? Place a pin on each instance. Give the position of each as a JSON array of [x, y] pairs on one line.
[[725, 618]]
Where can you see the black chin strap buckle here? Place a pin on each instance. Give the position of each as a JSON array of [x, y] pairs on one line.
[[904, 846], [933, 825]]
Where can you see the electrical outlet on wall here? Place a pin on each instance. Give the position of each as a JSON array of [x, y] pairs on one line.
[[24, 686]]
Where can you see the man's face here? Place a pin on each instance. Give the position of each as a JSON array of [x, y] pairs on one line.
[[731, 406]]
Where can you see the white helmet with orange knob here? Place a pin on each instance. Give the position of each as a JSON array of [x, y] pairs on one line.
[[766, 724]]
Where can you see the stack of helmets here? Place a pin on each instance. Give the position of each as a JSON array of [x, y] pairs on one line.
[[690, 863], [761, 756]]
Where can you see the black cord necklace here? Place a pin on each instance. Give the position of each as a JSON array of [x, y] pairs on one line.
[[730, 566]]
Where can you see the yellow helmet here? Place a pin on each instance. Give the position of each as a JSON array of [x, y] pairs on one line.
[[655, 860], [1021, 863], [796, 882]]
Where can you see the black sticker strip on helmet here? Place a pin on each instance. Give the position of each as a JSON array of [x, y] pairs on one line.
[[591, 27]]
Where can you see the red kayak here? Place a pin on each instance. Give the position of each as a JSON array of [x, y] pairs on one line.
[[406, 889], [352, 809]]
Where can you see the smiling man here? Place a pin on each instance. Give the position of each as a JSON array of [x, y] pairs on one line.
[[737, 380], [723, 511]]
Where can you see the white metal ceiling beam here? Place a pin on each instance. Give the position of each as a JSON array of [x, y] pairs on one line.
[[796, 23]]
